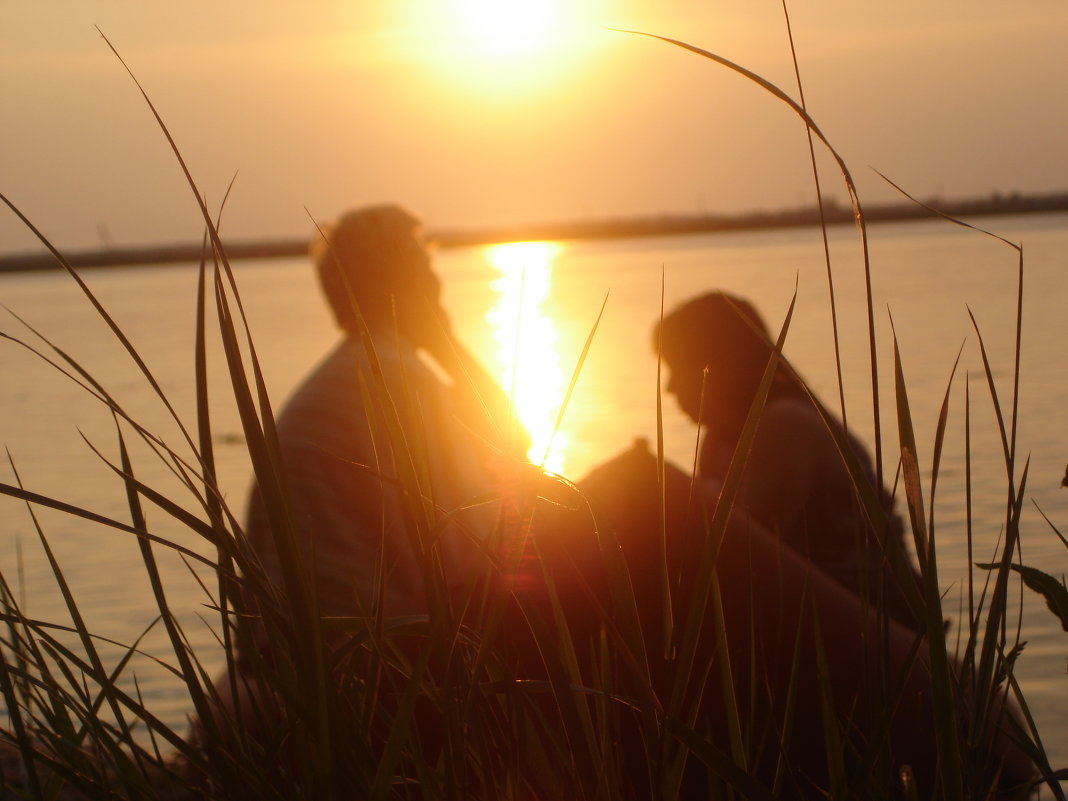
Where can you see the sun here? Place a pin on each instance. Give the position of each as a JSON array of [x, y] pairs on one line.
[[509, 29], [504, 45]]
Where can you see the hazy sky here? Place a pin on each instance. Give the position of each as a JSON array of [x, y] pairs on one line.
[[480, 112]]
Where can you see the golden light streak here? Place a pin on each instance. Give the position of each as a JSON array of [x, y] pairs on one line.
[[529, 365]]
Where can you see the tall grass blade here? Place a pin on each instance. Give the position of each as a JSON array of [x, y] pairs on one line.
[[1031, 743], [834, 746], [75, 613], [574, 379], [940, 436], [86, 382], [1057, 531], [668, 616], [823, 221], [716, 528], [854, 200], [1010, 440], [14, 708], [945, 713], [719, 763]]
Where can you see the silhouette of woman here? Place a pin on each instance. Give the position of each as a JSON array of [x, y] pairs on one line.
[[795, 482]]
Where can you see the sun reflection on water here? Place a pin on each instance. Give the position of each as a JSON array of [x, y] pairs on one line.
[[528, 364]]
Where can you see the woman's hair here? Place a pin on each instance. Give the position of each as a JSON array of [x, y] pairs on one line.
[[716, 329], [727, 334], [712, 318]]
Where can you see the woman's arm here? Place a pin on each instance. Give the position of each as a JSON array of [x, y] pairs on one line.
[[787, 458]]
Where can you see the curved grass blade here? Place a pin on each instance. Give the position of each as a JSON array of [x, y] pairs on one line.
[[1054, 592], [854, 200], [823, 222]]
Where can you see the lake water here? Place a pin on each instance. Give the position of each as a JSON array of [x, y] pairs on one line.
[[926, 276]]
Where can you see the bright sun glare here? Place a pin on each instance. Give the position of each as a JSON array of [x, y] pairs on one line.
[[509, 28], [504, 44], [530, 365]]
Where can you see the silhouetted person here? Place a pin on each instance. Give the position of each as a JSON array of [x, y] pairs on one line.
[[814, 673], [795, 483], [344, 460], [389, 489]]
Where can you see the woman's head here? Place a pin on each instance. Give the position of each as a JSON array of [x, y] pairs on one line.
[[724, 335]]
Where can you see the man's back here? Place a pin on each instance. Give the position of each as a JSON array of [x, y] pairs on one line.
[[357, 449]]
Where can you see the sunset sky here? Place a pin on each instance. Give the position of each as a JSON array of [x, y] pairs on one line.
[[477, 112]]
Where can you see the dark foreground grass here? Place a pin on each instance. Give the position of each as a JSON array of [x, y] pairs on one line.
[[588, 681]]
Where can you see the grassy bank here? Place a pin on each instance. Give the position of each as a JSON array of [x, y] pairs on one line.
[[557, 689]]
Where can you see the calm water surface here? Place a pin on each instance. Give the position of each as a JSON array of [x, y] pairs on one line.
[[925, 278]]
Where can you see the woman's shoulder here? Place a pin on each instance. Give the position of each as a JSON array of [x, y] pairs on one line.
[[792, 413], [799, 422], [793, 431]]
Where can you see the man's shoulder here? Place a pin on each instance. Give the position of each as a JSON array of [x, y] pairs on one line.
[[335, 375], [332, 396]]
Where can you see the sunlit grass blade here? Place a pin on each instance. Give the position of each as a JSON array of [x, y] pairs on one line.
[[303, 627], [996, 613], [574, 380]]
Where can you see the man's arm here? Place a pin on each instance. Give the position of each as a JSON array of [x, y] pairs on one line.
[[480, 401]]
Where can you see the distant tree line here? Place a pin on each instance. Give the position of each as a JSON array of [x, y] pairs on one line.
[[834, 212]]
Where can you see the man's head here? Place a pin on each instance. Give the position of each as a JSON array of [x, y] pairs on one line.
[[375, 257]]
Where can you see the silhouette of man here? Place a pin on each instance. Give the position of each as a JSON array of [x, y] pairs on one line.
[[376, 448]]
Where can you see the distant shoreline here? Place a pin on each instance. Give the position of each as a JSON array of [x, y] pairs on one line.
[[618, 228]]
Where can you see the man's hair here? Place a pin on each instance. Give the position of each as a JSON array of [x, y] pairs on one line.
[[367, 257]]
